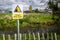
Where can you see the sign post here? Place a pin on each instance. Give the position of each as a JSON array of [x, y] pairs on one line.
[[18, 28], [17, 14]]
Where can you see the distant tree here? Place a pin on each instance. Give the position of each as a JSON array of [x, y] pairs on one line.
[[55, 12], [46, 10], [10, 11], [37, 11], [30, 8], [54, 6]]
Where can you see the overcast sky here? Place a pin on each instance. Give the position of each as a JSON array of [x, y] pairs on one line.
[[40, 4]]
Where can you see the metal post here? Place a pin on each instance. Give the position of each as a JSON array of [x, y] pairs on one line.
[[18, 28]]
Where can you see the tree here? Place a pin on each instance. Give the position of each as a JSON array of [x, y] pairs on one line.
[[54, 6], [55, 13], [30, 8], [37, 11], [46, 10]]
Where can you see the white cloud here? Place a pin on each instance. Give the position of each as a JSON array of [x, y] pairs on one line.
[[41, 4], [9, 0]]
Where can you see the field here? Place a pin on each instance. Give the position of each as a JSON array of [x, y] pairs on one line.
[[33, 20], [29, 20]]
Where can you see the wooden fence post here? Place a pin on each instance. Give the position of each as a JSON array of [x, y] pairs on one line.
[[15, 37], [9, 37], [34, 36], [51, 36], [3, 36], [55, 36], [38, 36], [25, 36], [20, 36], [43, 36], [47, 36], [29, 36]]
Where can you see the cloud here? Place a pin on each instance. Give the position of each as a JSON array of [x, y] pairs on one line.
[[35, 3]]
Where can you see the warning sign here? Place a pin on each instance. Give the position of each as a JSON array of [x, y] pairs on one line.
[[17, 11]]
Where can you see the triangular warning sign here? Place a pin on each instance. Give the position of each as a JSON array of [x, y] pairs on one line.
[[17, 9]]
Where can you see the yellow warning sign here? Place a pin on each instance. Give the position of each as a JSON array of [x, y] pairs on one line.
[[17, 13], [17, 9], [17, 16]]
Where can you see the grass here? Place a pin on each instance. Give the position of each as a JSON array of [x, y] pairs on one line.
[[58, 36], [40, 17], [7, 23], [31, 17]]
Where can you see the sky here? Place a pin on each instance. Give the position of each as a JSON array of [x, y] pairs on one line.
[[40, 4]]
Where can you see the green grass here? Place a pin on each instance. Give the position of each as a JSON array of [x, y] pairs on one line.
[[5, 16], [58, 37], [7, 23], [31, 17], [40, 17]]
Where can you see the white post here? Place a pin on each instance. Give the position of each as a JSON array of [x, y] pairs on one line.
[[38, 36], [51, 36], [47, 36], [9, 37], [43, 36], [18, 28], [55, 36], [25, 36], [3, 36], [20, 36], [15, 37], [29, 36], [34, 36]]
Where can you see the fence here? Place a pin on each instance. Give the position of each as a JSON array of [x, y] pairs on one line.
[[30, 36]]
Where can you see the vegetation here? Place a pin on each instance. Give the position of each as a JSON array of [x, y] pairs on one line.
[[37, 11], [56, 12], [53, 5], [29, 20]]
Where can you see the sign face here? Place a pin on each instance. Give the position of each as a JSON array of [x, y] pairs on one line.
[[17, 11]]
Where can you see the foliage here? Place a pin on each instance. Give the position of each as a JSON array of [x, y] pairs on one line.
[[37, 11], [53, 5], [29, 20], [55, 14]]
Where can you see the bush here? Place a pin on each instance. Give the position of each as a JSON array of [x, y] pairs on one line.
[[10, 24]]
